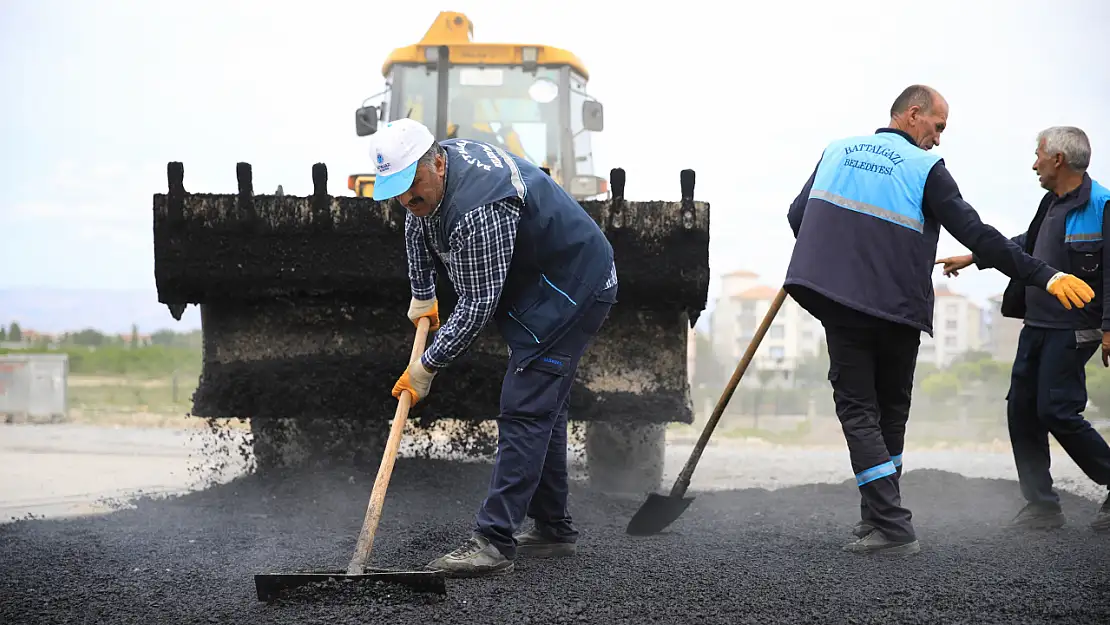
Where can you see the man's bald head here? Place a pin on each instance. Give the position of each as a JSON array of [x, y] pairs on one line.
[[915, 95], [922, 113]]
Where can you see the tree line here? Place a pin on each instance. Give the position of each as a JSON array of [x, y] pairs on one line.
[[91, 352], [975, 380], [90, 337]]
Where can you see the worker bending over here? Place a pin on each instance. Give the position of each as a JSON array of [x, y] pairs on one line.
[[866, 225], [521, 252], [1048, 383]]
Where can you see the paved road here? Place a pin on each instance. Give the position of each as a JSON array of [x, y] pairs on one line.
[[65, 470]]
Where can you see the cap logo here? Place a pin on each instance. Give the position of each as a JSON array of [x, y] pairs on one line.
[[382, 165]]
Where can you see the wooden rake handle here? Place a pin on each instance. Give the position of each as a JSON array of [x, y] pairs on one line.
[[385, 470]]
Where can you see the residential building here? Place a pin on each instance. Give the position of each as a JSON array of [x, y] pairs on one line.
[[957, 328], [740, 308]]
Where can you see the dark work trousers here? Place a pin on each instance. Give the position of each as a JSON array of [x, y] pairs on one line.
[[871, 371], [530, 472], [1048, 392]]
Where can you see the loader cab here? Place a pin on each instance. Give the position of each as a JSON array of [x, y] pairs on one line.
[[530, 100]]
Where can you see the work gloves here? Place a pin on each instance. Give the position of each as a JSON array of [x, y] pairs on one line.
[[429, 308], [1070, 290], [416, 380]]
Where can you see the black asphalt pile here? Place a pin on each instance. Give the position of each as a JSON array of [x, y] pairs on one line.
[[662, 252], [747, 556]]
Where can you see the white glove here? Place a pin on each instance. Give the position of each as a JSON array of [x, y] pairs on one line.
[[416, 380], [419, 308]]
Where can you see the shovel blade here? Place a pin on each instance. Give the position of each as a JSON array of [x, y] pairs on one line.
[[269, 586], [656, 514]]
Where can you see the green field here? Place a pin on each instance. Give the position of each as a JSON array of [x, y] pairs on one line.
[[116, 385]]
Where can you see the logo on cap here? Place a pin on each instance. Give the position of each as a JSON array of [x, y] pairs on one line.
[[382, 165]]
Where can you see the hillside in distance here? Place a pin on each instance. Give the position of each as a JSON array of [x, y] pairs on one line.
[[55, 310]]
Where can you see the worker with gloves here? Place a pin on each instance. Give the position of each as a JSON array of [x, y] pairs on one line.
[[866, 225], [520, 252], [1048, 383]]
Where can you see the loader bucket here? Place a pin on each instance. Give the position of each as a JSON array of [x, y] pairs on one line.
[[303, 302]]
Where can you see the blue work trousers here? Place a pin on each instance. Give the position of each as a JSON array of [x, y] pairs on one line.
[[1048, 392], [871, 372], [530, 472]]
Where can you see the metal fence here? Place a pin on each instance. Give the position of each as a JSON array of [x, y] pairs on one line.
[[33, 386]]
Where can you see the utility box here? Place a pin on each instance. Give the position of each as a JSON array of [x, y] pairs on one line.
[[33, 386]]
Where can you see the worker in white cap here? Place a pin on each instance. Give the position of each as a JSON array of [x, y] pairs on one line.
[[520, 251]]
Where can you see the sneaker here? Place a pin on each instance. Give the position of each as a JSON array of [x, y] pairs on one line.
[[1039, 517], [474, 558], [535, 544], [877, 542], [1102, 519], [862, 529]]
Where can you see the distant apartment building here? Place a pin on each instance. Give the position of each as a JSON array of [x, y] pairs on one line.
[[740, 308], [958, 327]]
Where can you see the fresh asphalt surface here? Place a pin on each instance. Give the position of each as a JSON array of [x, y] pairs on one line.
[[735, 556]]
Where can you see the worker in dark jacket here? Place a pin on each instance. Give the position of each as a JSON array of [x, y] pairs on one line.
[[866, 225], [1048, 384], [521, 253]]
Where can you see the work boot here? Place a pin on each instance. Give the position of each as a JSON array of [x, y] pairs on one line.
[[1102, 519], [475, 558], [862, 529], [534, 543], [1038, 516], [877, 542]]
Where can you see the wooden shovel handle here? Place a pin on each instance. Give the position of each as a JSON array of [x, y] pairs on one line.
[[683, 481], [385, 470]]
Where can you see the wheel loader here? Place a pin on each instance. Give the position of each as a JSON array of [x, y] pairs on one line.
[[303, 299]]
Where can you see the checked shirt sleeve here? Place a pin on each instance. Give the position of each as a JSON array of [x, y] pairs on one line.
[[422, 272], [482, 249]]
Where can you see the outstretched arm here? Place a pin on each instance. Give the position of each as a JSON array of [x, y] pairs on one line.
[[981, 263], [943, 200], [483, 249]]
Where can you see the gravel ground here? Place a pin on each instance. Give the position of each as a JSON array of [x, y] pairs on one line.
[[736, 556]]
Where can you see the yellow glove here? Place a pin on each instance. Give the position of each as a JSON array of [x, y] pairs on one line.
[[429, 308], [1070, 290], [416, 380]]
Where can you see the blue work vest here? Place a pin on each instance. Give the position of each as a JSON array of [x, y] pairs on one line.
[[864, 240], [1082, 252], [880, 175], [561, 259], [1084, 224]]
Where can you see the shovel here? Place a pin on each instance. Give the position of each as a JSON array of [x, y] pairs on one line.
[[660, 511], [270, 585]]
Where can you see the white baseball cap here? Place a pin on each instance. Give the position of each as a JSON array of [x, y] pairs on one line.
[[396, 149]]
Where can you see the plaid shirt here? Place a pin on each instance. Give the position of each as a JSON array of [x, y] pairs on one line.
[[480, 252]]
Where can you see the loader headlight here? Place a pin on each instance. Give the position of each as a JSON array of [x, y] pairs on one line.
[[544, 90]]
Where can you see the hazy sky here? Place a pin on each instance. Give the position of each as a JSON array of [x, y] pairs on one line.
[[98, 96]]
